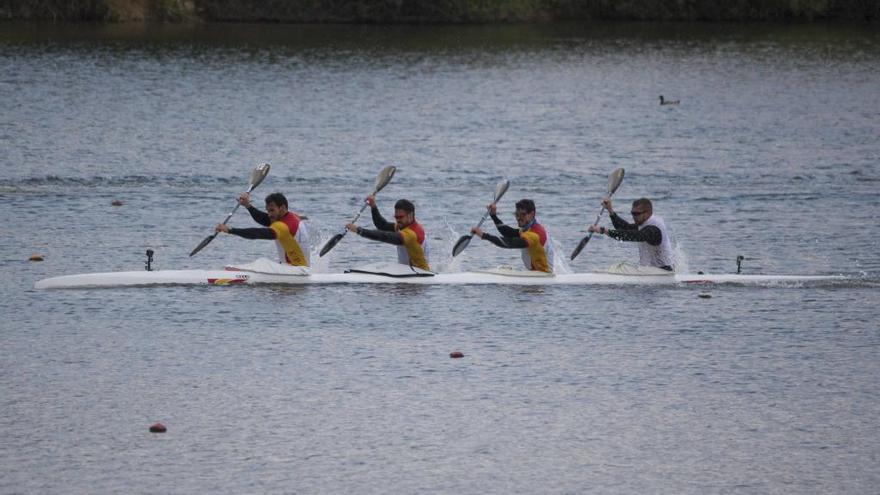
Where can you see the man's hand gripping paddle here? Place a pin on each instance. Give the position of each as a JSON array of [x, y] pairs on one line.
[[614, 181], [257, 176], [382, 180], [464, 240]]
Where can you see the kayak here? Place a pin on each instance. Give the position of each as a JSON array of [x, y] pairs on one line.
[[268, 272]]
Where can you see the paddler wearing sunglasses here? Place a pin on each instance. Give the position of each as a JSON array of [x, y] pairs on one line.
[[649, 230], [530, 238], [407, 234]]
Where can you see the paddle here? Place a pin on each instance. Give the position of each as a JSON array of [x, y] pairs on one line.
[[257, 176], [464, 240], [382, 180], [614, 181]]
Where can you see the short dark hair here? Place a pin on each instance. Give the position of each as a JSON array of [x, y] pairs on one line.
[[405, 205], [526, 205], [277, 199], [644, 203]]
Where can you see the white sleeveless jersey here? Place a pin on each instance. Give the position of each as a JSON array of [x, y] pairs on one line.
[[661, 255]]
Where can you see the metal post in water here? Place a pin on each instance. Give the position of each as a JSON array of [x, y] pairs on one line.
[[149, 261], [739, 264]]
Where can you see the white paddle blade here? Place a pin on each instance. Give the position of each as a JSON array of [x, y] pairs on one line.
[[462, 243], [500, 189], [259, 174], [384, 177], [614, 180]]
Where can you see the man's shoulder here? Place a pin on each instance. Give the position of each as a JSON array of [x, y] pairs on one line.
[[537, 227], [290, 219], [532, 233], [287, 223], [414, 230]]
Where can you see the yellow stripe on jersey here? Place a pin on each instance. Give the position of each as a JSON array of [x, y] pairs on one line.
[[414, 249], [536, 251], [291, 248]]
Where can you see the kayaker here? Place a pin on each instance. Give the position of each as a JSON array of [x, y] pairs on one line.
[[284, 226], [649, 230], [407, 234], [530, 237]]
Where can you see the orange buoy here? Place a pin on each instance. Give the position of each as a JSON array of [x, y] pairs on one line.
[[36, 257], [456, 354], [158, 428], [116, 202]]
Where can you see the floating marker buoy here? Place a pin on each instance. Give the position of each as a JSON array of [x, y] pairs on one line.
[[116, 202], [36, 257], [158, 428], [456, 354], [705, 296]]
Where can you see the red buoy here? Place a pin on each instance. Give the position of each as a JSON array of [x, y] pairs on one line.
[[158, 428], [116, 202], [456, 354], [36, 257]]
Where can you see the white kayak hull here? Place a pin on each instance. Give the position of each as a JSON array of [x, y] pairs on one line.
[[490, 277]]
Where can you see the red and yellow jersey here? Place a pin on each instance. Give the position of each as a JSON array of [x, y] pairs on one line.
[[413, 251], [286, 231], [535, 255]]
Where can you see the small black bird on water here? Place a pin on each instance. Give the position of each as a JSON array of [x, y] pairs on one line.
[[668, 102]]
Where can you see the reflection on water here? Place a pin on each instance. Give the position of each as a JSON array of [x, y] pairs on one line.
[[834, 36]]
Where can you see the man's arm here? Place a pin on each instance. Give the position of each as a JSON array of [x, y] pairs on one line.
[[649, 234], [253, 233], [506, 242], [504, 230], [261, 217], [380, 222], [382, 236], [621, 224]]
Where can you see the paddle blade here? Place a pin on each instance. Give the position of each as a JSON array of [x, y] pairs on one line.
[[500, 189], [205, 242], [258, 175], [384, 177], [580, 247], [331, 243], [614, 180], [461, 244]]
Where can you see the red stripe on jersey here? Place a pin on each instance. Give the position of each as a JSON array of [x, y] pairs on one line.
[[539, 229], [420, 232]]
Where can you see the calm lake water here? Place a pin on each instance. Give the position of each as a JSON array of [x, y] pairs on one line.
[[772, 154]]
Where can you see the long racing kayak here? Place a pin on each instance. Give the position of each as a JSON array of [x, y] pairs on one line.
[[268, 272]]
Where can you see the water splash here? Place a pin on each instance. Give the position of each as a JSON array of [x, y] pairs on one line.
[[442, 260], [317, 264], [682, 260], [560, 265]]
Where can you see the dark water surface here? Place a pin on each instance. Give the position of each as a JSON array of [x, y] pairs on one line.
[[772, 154]]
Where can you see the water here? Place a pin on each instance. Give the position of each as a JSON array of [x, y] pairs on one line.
[[772, 155]]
